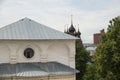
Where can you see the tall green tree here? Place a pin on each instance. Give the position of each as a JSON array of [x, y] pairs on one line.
[[107, 61], [90, 72], [81, 58]]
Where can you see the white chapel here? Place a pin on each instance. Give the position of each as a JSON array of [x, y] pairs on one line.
[[32, 51]]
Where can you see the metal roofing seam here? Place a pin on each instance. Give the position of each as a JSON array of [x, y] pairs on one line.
[[29, 29], [35, 69]]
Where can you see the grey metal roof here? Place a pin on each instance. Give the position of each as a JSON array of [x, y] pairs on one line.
[[35, 69], [25, 29]]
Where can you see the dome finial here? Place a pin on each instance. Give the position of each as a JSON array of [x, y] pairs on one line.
[[65, 29], [79, 33], [72, 29], [71, 19]]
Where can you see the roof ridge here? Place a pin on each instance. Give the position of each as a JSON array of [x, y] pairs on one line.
[[26, 28]]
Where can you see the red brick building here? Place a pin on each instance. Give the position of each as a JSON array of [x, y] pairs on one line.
[[97, 37]]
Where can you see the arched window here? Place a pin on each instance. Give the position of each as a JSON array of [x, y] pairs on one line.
[[29, 53]]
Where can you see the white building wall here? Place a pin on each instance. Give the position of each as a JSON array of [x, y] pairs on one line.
[[62, 51], [52, 77], [4, 53]]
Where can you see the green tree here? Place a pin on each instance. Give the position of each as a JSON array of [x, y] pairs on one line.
[[82, 57], [107, 62], [90, 72]]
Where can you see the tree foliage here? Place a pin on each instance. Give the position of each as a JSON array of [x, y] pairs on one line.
[[107, 62], [90, 72], [82, 57]]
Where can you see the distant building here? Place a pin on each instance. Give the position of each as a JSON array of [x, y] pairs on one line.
[[90, 47], [91, 50], [97, 37], [72, 31], [32, 51]]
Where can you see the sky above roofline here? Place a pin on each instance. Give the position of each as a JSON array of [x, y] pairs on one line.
[[89, 15]]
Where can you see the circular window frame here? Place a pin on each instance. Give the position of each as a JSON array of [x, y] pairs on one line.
[[28, 53]]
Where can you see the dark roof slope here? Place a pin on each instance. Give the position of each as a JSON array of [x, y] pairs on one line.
[[35, 69]]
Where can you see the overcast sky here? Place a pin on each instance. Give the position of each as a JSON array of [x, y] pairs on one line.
[[90, 15]]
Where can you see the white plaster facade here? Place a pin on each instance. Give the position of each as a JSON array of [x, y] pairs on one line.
[[48, 45], [51, 77], [62, 51]]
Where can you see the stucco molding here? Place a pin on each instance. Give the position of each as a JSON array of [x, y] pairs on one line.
[[58, 51], [56, 43], [34, 46], [7, 48]]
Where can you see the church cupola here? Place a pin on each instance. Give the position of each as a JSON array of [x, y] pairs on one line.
[[72, 29], [79, 33]]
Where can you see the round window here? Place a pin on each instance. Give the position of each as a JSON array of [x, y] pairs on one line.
[[29, 53]]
